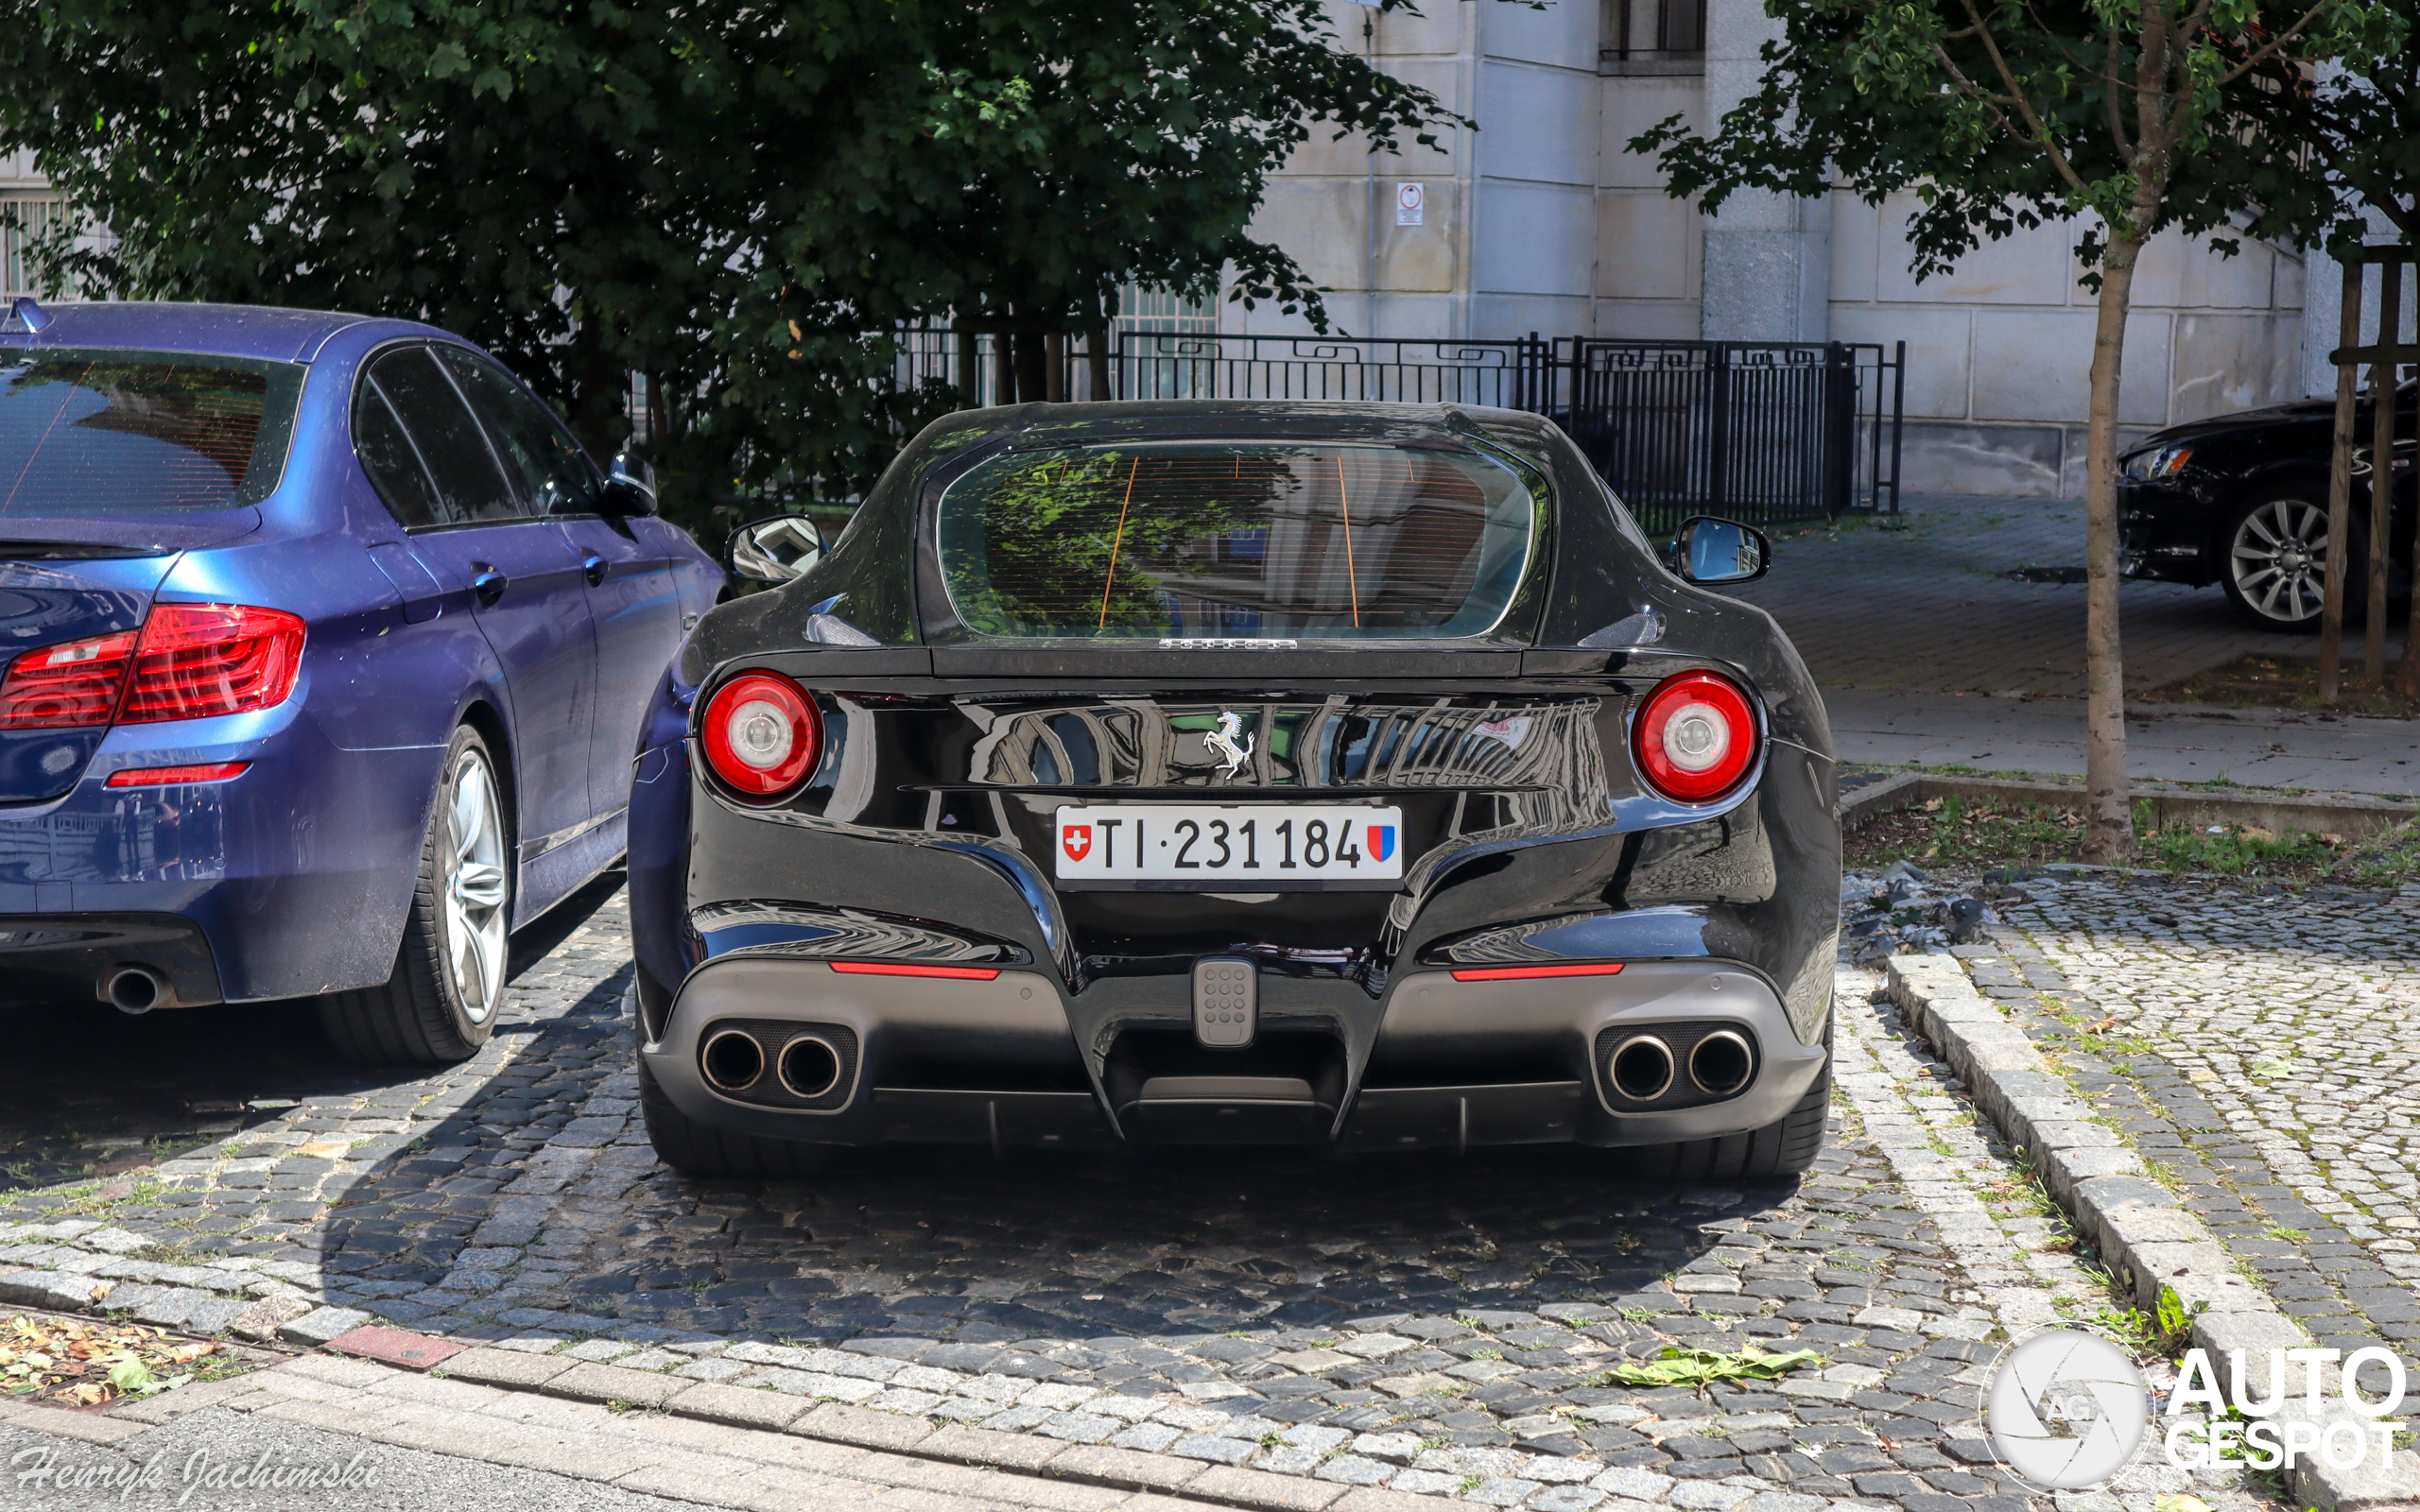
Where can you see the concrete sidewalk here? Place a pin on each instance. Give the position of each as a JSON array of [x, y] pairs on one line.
[[2175, 743], [762, 1450], [1927, 654]]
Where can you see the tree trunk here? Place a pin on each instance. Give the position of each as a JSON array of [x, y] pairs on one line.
[[2109, 821], [598, 394], [1034, 368]]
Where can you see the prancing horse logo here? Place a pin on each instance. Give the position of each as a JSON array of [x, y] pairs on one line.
[[1221, 741]]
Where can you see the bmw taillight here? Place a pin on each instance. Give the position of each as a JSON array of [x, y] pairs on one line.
[[189, 661], [1695, 737], [762, 735]]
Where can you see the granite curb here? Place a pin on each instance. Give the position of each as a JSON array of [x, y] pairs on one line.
[[899, 1434], [2343, 814], [2142, 1233]]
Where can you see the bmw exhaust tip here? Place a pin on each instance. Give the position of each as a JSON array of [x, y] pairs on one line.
[[1721, 1063], [732, 1061], [809, 1067], [133, 989], [1642, 1067]]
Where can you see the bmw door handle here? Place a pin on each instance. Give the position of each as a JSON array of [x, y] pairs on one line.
[[488, 584], [594, 566]]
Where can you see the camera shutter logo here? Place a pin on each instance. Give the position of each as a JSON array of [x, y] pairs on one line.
[[2065, 1410]]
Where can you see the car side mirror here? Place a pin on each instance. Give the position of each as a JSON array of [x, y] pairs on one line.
[[1713, 551], [774, 550], [628, 493]]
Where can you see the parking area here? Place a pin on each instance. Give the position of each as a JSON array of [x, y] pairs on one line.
[[1432, 1325], [1917, 603], [1424, 1324]]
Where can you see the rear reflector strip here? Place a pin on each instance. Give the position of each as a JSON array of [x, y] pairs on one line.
[[966, 973], [1515, 973], [166, 776]]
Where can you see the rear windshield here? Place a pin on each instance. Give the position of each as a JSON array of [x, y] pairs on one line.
[[1236, 541], [115, 431]]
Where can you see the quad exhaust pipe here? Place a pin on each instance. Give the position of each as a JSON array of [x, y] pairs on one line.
[[1721, 1063], [1643, 1067], [807, 1066], [732, 1061], [132, 990]]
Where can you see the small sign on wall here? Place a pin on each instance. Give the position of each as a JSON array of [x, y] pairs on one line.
[[1411, 200]]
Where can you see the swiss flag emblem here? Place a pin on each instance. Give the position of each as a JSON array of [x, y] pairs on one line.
[[1077, 839]]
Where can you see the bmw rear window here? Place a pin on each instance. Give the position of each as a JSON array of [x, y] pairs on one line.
[[1239, 540], [116, 432]]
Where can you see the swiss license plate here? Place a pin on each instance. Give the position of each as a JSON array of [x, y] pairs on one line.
[[1240, 847]]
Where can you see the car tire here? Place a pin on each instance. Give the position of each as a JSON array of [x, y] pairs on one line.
[[1785, 1146], [442, 1002], [699, 1149], [2271, 554]]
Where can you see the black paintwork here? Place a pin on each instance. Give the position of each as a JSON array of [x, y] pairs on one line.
[[928, 816], [2173, 529]]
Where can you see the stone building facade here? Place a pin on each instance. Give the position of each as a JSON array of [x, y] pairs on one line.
[[1544, 220]]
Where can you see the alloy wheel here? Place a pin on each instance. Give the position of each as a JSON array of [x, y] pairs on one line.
[[2279, 559], [475, 889]]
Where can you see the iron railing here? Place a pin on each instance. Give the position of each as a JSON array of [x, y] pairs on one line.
[[1759, 432], [1762, 432]]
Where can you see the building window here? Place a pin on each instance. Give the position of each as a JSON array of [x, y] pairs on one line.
[[1163, 312], [1654, 37], [25, 219]]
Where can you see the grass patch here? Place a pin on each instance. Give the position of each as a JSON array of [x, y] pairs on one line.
[[2166, 1330], [2282, 683], [1953, 831]]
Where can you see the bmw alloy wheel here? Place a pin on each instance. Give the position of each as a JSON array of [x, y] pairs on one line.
[[2278, 560], [474, 888]]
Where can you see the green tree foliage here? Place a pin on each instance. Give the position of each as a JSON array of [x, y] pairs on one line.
[[732, 199], [2121, 114], [2354, 136]]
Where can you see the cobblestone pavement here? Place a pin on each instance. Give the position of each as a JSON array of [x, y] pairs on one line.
[[1915, 605], [1424, 1325], [2264, 1049]]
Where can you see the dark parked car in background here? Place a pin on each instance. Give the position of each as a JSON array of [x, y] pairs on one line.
[[2241, 501], [1350, 775], [326, 649]]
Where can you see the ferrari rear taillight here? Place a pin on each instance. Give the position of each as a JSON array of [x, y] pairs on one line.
[[189, 661], [762, 735], [1695, 737]]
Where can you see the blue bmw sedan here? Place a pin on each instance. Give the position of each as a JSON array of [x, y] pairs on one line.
[[326, 651]]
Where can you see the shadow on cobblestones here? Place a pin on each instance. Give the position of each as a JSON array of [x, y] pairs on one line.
[[1422, 1323]]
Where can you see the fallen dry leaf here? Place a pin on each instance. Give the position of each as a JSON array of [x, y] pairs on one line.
[[2104, 1026], [86, 1364]]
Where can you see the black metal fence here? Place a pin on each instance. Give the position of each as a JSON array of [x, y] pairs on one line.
[[1760, 432], [1755, 431]]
